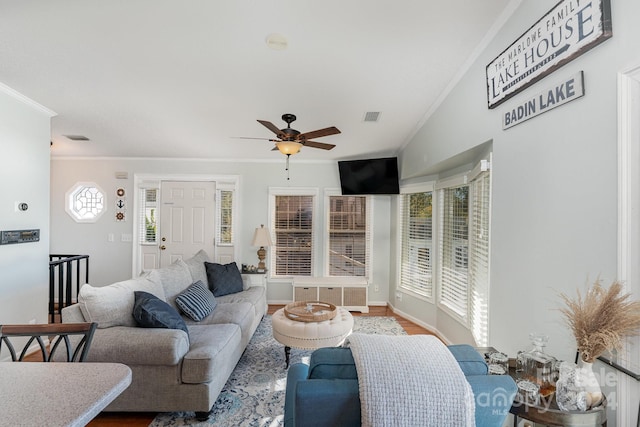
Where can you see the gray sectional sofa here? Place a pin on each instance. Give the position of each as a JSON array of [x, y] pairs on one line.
[[173, 370]]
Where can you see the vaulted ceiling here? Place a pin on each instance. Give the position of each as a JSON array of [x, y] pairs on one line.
[[169, 78]]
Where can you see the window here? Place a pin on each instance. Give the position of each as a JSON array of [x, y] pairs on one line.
[[453, 248], [348, 236], [149, 215], [460, 252], [224, 232], [292, 224], [479, 257], [416, 222], [86, 202]]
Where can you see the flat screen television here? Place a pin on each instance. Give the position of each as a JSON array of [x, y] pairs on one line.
[[369, 176]]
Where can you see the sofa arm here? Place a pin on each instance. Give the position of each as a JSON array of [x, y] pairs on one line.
[[327, 403], [297, 372], [139, 346], [493, 396]]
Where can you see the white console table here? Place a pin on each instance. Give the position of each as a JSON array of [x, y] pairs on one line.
[[351, 293]]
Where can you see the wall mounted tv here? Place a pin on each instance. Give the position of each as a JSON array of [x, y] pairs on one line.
[[369, 176]]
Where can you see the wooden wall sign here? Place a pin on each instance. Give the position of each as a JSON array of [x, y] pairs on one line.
[[567, 31], [565, 91]]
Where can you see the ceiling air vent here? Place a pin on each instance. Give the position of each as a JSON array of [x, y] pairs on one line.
[[77, 137], [371, 116]]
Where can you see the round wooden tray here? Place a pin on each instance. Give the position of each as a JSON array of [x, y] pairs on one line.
[[310, 311]]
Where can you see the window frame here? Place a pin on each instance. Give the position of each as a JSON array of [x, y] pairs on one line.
[[335, 192], [315, 240], [226, 187], [70, 198], [406, 191]]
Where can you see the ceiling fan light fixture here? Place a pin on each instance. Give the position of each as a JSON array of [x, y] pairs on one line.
[[289, 147]]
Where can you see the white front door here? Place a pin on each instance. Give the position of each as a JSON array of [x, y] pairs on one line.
[[187, 220]]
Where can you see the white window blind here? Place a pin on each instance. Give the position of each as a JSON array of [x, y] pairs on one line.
[[148, 216], [416, 218], [479, 258], [454, 248], [224, 229], [349, 238], [293, 228]]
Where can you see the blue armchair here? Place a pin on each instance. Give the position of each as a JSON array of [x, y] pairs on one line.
[[325, 392]]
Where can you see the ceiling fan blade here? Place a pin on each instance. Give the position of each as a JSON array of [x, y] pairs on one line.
[[271, 127], [321, 145], [318, 133], [249, 137]]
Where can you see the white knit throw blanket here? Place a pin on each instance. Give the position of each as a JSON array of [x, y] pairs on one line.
[[410, 381]]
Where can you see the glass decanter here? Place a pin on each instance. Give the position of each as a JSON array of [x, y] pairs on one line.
[[537, 366]]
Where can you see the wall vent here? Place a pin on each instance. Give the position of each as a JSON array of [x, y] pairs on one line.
[[77, 137], [371, 116]]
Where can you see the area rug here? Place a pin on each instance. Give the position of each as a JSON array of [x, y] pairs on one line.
[[254, 393]]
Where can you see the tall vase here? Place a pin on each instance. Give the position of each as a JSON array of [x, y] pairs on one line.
[[577, 388]]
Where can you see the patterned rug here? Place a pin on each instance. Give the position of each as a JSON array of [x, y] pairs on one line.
[[254, 393]]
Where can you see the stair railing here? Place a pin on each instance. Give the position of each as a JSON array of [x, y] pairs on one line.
[[65, 278]]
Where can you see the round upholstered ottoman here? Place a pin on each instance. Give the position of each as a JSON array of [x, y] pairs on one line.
[[311, 335]]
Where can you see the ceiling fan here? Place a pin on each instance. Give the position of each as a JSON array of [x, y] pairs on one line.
[[289, 141]]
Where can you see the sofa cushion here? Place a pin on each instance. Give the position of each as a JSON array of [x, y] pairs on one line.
[[470, 361], [151, 312], [196, 266], [214, 352], [223, 279], [196, 301], [174, 279], [254, 295], [332, 363], [113, 305]]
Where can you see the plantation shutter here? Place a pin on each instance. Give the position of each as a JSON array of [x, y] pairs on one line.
[[148, 218], [479, 258], [293, 227], [454, 246], [349, 236], [416, 272], [224, 228]]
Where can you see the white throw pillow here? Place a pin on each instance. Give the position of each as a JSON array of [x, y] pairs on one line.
[[196, 266], [113, 305], [174, 279]]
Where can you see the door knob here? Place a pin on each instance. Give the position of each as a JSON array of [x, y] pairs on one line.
[[163, 247]]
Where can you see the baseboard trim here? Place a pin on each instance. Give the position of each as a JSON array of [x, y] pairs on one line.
[[420, 323]]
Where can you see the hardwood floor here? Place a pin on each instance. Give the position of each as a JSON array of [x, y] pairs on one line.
[[116, 419]]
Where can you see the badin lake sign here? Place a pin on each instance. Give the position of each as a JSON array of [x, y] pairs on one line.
[[566, 91], [567, 31]]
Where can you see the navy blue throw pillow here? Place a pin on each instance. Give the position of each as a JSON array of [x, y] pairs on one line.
[[151, 312], [223, 279]]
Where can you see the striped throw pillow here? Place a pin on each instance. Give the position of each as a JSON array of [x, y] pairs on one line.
[[197, 301]]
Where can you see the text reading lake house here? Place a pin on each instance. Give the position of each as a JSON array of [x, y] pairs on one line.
[[570, 29]]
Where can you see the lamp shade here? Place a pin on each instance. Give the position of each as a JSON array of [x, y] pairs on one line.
[[288, 147], [261, 237]]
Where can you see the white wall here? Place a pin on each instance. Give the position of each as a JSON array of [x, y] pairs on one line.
[[24, 177], [554, 218], [112, 261]]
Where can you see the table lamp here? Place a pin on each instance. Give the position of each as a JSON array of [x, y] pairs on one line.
[[261, 238]]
